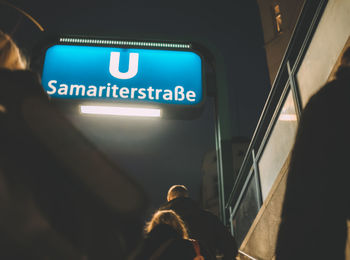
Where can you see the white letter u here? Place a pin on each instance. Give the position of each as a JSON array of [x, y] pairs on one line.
[[114, 66]]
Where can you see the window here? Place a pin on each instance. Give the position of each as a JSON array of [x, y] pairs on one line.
[[278, 145], [278, 18], [246, 212]]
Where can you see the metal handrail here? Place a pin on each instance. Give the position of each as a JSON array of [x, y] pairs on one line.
[[301, 37], [245, 254]]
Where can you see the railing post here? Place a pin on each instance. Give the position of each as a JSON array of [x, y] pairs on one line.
[[223, 134], [257, 180]]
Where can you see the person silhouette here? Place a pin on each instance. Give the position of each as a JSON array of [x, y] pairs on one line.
[[60, 197], [166, 238], [202, 224], [317, 200]]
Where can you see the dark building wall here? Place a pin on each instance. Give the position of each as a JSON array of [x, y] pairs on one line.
[[331, 37], [276, 42], [209, 187]]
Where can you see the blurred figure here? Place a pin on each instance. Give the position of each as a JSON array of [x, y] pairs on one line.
[[24, 232], [317, 200], [202, 225], [60, 198], [10, 56], [166, 238]]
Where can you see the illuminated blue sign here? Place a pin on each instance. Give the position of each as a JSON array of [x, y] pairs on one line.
[[118, 74]]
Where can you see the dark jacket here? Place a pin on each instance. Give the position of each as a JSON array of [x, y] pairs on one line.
[[317, 199], [164, 243], [204, 227]]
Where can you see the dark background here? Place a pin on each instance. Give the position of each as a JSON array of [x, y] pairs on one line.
[[158, 152]]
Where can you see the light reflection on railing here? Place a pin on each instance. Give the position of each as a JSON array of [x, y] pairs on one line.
[[245, 254]]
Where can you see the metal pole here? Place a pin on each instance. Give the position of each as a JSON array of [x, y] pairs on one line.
[[223, 136]]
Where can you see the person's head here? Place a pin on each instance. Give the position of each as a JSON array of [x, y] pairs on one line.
[[10, 55], [343, 69], [177, 191], [345, 59], [167, 217]]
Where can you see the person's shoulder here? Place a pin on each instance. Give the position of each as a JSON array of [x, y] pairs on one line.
[[325, 92], [332, 97], [179, 203], [335, 89], [184, 242], [183, 246]]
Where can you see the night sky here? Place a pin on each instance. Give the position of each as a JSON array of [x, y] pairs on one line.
[[158, 152]]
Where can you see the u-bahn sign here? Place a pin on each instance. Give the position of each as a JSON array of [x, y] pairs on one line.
[[116, 74]]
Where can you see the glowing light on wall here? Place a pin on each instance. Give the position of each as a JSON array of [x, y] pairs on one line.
[[288, 117]]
